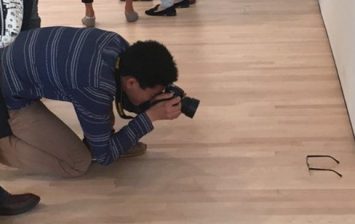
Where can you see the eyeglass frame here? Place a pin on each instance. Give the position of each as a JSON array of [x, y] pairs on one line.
[[322, 169]]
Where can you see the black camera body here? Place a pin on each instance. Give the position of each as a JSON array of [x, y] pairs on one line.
[[188, 105]]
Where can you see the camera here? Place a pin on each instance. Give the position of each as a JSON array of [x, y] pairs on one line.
[[188, 105]]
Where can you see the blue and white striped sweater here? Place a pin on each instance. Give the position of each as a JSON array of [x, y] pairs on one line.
[[75, 65]]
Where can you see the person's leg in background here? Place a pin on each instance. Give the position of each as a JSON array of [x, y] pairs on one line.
[[42, 143], [31, 17], [131, 15], [89, 19], [14, 204], [35, 20]]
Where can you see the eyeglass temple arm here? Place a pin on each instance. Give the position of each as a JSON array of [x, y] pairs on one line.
[[321, 156], [321, 169]]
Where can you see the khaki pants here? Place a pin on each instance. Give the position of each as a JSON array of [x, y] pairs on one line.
[[42, 143]]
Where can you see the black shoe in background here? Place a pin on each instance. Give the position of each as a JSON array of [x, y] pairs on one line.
[[13, 204], [166, 12], [182, 4]]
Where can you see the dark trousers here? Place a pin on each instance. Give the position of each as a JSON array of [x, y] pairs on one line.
[[3, 193], [87, 1], [31, 18], [5, 129]]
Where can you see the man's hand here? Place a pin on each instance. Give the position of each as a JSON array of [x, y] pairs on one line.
[[168, 109]]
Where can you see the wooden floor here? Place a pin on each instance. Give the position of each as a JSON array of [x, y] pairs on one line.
[[270, 95]]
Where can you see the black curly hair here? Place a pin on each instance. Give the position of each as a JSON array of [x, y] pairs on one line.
[[150, 62]]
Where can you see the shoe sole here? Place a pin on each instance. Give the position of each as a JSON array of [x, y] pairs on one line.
[[163, 14]]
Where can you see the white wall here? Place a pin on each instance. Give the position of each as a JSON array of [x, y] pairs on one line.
[[339, 19]]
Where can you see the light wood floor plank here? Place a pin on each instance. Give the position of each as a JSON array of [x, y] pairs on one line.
[[269, 95]]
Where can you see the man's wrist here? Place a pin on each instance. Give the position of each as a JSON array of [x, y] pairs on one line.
[[150, 115]]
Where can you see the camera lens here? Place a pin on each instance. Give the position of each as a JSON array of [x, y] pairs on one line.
[[189, 106]]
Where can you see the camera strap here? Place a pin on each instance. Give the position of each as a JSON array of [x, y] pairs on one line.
[[119, 93]]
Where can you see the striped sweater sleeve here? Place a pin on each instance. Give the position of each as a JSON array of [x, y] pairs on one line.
[[94, 109]]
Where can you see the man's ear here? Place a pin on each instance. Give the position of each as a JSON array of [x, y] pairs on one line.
[[130, 82]]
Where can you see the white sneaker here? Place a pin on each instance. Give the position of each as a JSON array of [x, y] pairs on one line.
[[131, 16], [88, 21]]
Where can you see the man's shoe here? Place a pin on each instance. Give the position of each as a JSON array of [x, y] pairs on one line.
[[137, 150], [165, 12], [88, 21], [13, 204], [182, 4]]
